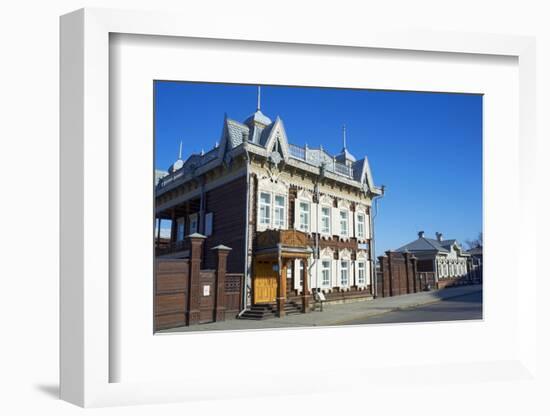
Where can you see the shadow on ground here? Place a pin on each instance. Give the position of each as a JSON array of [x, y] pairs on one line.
[[51, 390]]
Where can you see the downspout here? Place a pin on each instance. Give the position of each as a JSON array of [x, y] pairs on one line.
[[246, 232], [316, 248], [374, 277]]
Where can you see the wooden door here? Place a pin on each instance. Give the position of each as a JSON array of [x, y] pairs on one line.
[[265, 282]]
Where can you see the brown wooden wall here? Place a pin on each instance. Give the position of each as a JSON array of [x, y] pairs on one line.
[[228, 204], [425, 266], [171, 289], [185, 294], [398, 275]]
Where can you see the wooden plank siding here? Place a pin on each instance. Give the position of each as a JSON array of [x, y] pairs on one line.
[[171, 291], [228, 204]]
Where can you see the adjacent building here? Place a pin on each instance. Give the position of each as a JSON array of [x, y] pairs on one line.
[[298, 219], [444, 258]]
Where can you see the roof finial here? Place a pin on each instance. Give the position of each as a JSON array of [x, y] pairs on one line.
[[344, 135], [259, 98], [179, 154]]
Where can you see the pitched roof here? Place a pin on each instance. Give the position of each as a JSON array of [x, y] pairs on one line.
[[423, 244], [257, 129], [235, 132], [447, 243], [345, 155]]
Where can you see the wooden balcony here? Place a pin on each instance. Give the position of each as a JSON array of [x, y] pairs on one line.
[[286, 238]]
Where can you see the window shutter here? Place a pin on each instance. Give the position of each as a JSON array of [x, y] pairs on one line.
[[336, 273], [367, 226], [355, 227], [297, 274], [335, 216], [296, 214], [208, 223]]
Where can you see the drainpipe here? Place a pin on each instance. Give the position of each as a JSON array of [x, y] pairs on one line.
[[316, 248], [374, 278], [246, 232]]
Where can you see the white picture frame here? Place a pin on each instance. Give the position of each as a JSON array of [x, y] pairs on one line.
[[87, 293]]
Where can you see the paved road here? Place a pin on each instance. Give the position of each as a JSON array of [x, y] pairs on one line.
[[459, 308]]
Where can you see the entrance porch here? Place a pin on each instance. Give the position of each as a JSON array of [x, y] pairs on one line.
[[275, 251]]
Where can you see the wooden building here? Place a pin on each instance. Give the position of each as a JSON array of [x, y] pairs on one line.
[[446, 259], [298, 219]]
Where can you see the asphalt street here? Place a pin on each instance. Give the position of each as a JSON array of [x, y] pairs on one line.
[[465, 307]]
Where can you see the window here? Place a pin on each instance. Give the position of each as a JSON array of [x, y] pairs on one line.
[[279, 211], [325, 272], [193, 223], [208, 223], [265, 208], [325, 220], [343, 222], [301, 272], [304, 216], [360, 225], [361, 273], [181, 229], [344, 273]]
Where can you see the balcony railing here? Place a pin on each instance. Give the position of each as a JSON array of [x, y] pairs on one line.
[[173, 247], [297, 151], [301, 153]]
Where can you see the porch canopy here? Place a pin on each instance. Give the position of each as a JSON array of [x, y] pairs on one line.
[[281, 247]]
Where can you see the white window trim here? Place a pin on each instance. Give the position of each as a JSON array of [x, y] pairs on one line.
[[362, 235], [271, 225], [262, 224], [328, 284], [347, 234], [285, 215], [348, 263], [300, 202], [364, 263], [328, 233]]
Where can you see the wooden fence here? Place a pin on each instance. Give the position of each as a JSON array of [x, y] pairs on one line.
[[186, 295]]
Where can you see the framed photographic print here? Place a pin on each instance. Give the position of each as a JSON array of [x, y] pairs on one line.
[[243, 207]]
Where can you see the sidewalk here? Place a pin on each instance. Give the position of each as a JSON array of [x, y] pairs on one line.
[[337, 314]]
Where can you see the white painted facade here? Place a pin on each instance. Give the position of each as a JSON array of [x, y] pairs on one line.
[[331, 218]]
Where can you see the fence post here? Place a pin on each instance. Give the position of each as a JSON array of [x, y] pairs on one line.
[[390, 287], [381, 288], [416, 277], [194, 313], [221, 268]]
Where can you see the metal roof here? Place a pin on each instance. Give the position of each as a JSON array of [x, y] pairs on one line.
[[257, 129]]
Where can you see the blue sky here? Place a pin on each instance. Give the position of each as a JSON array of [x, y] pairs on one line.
[[426, 148]]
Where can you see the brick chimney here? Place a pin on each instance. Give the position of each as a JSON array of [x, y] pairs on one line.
[[421, 234], [439, 236]]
